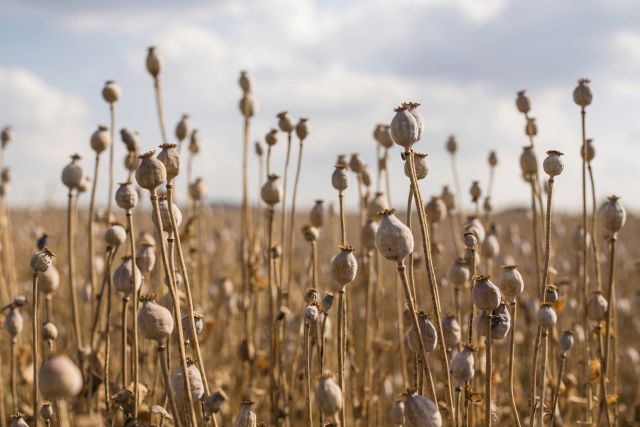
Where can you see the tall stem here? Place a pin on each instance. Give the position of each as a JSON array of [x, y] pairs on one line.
[[341, 351], [13, 373], [534, 376], [107, 332], [343, 232], [272, 316], [71, 234], [283, 228], [534, 223], [292, 219], [545, 351], [136, 374], [92, 204], [488, 372], [607, 334], [112, 129], [167, 384], [307, 373], [563, 361], [36, 341], [512, 351], [123, 355]]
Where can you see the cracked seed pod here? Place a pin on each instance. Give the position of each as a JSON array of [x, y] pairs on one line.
[[493, 158], [100, 139], [126, 196], [577, 239], [500, 322], [552, 164], [451, 331], [6, 136], [146, 258], [613, 215], [166, 218], [42, 260], [154, 61], [393, 239], [435, 209], [246, 415], [317, 214], [422, 166], [582, 93], [377, 205], [151, 173], [530, 128], [131, 139], [344, 266], [195, 142], [195, 383], [462, 366], [340, 178], [46, 410], [285, 122], [597, 306], [413, 109], [546, 316], [329, 395], [510, 282], [198, 189], [186, 327], [183, 128], [452, 144], [123, 280], [490, 247], [565, 342], [551, 294], [49, 280], [522, 102], [421, 412], [302, 128], [247, 105], [14, 323], [245, 81], [486, 295], [591, 151], [368, 233], [17, 420], [72, 174], [427, 332], [355, 163], [459, 273], [396, 414], [115, 235], [449, 198], [528, 161], [111, 91], [474, 226], [49, 332], [404, 128], [59, 378], [170, 158], [155, 322], [475, 191], [310, 233], [271, 191], [271, 138]]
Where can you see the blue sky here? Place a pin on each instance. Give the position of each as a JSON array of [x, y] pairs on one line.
[[344, 65]]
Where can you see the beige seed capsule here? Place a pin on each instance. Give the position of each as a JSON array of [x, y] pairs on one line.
[[310, 233], [565, 342], [474, 226], [17, 420], [42, 260], [258, 149], [317, 214], [285, 122], [246, 415], [475, 191], [451, 331], [46, 410], [151, 173], [271, 191], [131, 139], [500, 322], [490, 247], [131, 161], [247, 105], [597, 306], [486, 205], [115, 235], [386, 140], [530, 128], [6, 135], [344, 266], [49, 280], [462, 366], [123, 280], [421, 166], [552, 164], [582, 93], [376, 205], [310, 314], [591, 151], [146, 257], [170, 158], [417, 115], [613, 215], [369, 230], [355, 163], [72, 174], [245, 81], [198, 189], [100, 139], [212, 404], [340, 178], [126, 196], [49, 332], [154, 61], [428, 333], [393, 239], [459, 273], [195, 383], [166, 218], [155, 322], [486, 296], [329, 395], [510, 282], [546, 316], [404, 128], [302, 128], [452, 144], [551, 294], [449, 198], [183, 128], [195, 143], [59, 378], [14, 323], [111, 91], [435, 209], [271, 138], [522, 102], [528, 161], [421, 412], [492, 159]]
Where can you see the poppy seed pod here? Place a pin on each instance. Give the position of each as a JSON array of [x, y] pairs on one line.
[[170, 158], [183, 128], [258, 149], [413, 109], [165, 218], [500, 322], [475, 191], [245, 81], [421, 412], [435, 209], [72, 174], [131, 139], [271, 138], [154, 61], [376, 205], [396, 414], [155, 322], [427, 332], [530, 128], [591, 150], [528, 161], [302, 128], [123, 280], [247, 105], [195, 142], [151, 172], [613, 214], [285, 122], [212, 404], [146, 258], [404, 128], [422, 165], [59, 378], [327, 302], [126, 196], [451, 331], [5, 175], [474, 226], [111, 92], [486, 205], [459, 273], [42, 260], [355, 163], [490, 247], [369, 230], [195, 383], [49, 332], [271, 191], [310, 313], [115, 235], [246, 415], [317, 214], [311, 297], [551, 294], [100, 139], [393, 239], [344, 266], [14, 323], [198, 189], [492, 159], [340, 178], [49, 280], [565, 342], [462, 366], [310, 233], [452, 144], [186, 327], [17, 420], [6, 135], [597, 306], [329, 395], [486, 296], [582, 93], [522, 102], [546, 316], [131, 161], [386, 140], [510, 282], [553, 165], [449, 198], [46, 410]]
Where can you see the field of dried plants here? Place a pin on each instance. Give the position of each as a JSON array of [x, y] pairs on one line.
[[159, 308]]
